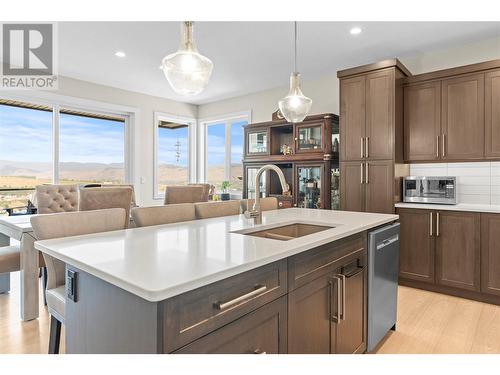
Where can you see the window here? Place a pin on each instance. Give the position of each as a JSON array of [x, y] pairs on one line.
[[224, 140], [172, 152], [91, 147]]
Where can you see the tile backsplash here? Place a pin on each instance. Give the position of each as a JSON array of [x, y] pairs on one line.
[[477, 182]]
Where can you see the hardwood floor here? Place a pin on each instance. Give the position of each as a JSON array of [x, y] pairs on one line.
[[427, 323]]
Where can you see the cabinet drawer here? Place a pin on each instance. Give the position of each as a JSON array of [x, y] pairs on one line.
[[262, 331], [307, 266], [189, 316]]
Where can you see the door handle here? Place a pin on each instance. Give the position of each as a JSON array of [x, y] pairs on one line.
[[342, 315], [367, 140], [335, 317], [437, 224], [361, 174], [366, 173], [362, 154], [430, 224], [437, 146], [444, 145]]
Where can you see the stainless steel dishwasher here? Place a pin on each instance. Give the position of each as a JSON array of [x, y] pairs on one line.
[[383, 269]]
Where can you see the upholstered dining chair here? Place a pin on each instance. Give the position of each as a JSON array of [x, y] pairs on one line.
[[208, 210], [10, 261], [65, 225], [157, 215], [51, 199], [266, 204], [111, 197], [175, 194]]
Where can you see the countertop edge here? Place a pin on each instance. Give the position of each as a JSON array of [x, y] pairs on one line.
[[160, 295], [465, 207]]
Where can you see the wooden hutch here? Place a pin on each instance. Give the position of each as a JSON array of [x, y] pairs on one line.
[[306, 152]]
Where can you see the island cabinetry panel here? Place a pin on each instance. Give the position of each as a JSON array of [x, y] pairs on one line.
[[417, 246], [191, 315], [458, 249], [262, 331], [328, 313], [422, 121], [490, 254]]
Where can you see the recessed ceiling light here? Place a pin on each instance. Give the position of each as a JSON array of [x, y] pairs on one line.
[[120, 54], [355, 30]]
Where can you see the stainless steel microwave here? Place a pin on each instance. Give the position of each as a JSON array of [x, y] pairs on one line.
[[439, 190]]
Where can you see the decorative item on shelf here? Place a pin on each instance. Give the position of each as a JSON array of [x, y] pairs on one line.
[[335, 145], [187, 71], [225, 196], [295, 106], [277, 115], [286, 149]]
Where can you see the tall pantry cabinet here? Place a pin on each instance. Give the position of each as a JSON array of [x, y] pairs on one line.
[[371, 136]]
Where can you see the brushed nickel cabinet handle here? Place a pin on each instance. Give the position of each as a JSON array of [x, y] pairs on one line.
[[437, 146], [335, 317], [437, 224], [367, 140], [444, 145], [235, 301], [361, 174], [430, 224], [367, 181], [342, 316], [362, 154]]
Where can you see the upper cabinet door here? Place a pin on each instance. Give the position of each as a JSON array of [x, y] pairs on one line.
[[352, 118], [492, 114], [380, 93], [422, 121], [462, 118]]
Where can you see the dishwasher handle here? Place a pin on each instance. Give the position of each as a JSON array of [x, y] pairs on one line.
[[387, 242]]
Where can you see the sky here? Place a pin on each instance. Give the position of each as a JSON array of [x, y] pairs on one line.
[[26, 135], [216, 141]]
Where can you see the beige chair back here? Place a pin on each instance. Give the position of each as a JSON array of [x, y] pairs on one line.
[[73, 224], [112, 197], [133, 202], [266, 204], [56, 198], [175, 194], [207, 210], [157, 215]]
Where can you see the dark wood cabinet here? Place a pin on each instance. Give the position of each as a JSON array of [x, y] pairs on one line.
[[492, 114], [380, 102], [352, 117], [312, 167], [352, 197], [458, 249], [367, 186], [490, 254], [379, 186], [329, 313], [371, 133], [422, 121], [417, 246], [462, 117], [260, 332]]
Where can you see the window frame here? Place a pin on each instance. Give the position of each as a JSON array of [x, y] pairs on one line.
[[192, 151], [56, 102], [228, 120]]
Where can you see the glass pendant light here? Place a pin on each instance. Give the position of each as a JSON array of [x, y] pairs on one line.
[[295, 106], [187, 70]]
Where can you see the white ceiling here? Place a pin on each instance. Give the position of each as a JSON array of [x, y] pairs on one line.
[[248, 56]]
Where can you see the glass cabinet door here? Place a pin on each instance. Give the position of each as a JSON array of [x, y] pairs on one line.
[[309, 138], [335, 188], [250, 177], [309, 186], [257, 142]]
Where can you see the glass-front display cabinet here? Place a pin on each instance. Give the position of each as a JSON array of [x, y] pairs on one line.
[[250, 173], [309, 138], [257, 143], [308, 180]]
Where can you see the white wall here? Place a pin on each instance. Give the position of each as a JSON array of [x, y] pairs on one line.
[[144, 127]]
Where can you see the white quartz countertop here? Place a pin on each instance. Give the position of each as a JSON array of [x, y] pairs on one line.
[[162, 261], [453, 207]]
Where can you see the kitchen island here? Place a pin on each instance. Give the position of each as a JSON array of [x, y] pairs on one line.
[[214, 285]]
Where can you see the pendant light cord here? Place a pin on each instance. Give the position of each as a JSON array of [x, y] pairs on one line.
[[295, 48]]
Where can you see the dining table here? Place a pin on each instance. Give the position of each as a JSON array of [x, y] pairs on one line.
[[19, 228]]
